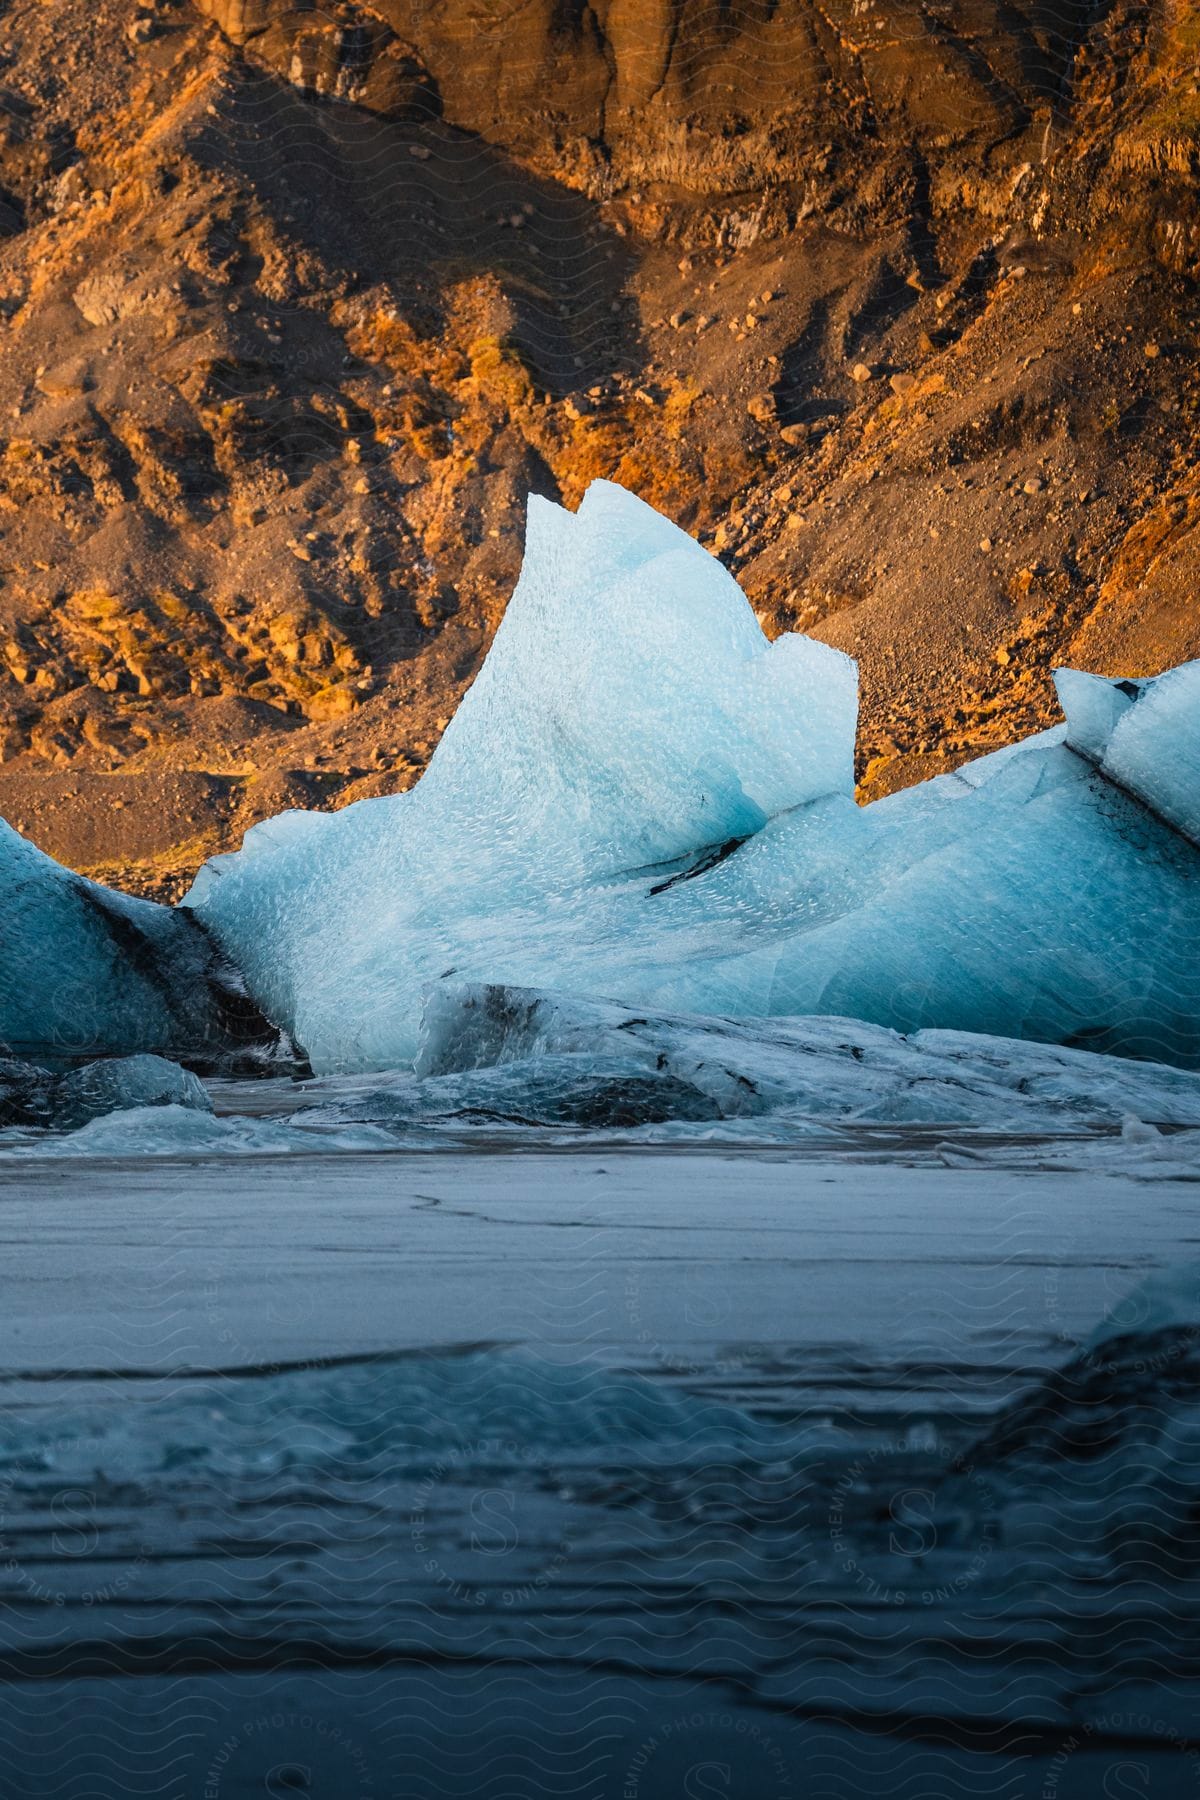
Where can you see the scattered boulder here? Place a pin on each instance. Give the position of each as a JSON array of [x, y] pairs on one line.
[[104, 298]]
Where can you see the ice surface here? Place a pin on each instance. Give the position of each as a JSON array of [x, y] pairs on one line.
[[832, 1067], [123, 1082], [642, 798], [631, 717], [31, 1096], [85, 970], [755, 1426]]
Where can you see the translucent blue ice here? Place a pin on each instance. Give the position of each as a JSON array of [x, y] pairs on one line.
[[642, 798], [1154, 750], [631, 720], [85, 970]]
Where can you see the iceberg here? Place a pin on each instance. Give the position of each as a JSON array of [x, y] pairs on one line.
[[643, 799], [122, 1084], [631, 727], [86, 971]]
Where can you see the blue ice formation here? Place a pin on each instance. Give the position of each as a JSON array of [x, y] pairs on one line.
[[33, 1096], [642, 798], [85, 971]]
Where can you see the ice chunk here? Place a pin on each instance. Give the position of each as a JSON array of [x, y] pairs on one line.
[[1044, 903], [390, 1417], [35, 1097], [631, 709], [1167, 1300], [172, 1130], [1143, 735], [125, 1081], [640, 797], [631, 724], [1092, 705], [26, 1093], [831, 1069], [579, 1089], [1154, 750], [86, 970]]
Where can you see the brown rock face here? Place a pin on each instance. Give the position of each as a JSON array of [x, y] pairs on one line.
[[720, 100], [893, 306]]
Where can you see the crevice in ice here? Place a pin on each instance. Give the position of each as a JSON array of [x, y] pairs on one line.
[[707, 859]]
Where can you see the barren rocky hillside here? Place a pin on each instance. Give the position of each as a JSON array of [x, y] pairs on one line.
[[892, 302]]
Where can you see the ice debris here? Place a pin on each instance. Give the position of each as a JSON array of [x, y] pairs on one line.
[[33, 1096], [835, 1070]]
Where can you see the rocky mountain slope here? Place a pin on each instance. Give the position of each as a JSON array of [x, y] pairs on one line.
[[891, 302]]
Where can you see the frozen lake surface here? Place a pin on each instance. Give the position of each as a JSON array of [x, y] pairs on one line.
[[619, 1472]]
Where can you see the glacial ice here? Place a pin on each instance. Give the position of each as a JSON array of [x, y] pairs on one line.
[[1154, 749], [631, 722], [826, 1070], [524, 1067], [389, 1417], [642, 798], [121, 1083], [26, 1092], [38, 1098], [87, 971], [177, 1130]]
